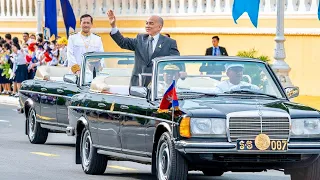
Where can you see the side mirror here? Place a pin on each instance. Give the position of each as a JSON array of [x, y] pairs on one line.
[[70, 78], [139, 91], [292, 92]]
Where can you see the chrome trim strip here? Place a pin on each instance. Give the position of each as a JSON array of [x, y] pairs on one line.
[[52, 123], [217, 145], [121, 113], [117, 95], [106, 147], [48, 94], [125, 156], [121, 150]]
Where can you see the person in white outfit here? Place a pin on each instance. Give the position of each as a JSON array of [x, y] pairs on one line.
[[235, 74], [83, 42]]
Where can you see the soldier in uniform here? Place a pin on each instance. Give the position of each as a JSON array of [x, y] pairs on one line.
[[83, 42], [170, 72]]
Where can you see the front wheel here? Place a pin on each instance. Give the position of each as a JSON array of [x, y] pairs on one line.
[[36, 134], [92, 162], [171, 165], [311, 172]]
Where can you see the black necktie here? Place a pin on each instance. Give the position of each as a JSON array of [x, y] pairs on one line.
[[150, 48]]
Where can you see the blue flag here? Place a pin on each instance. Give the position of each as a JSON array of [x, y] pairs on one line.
[[68, 15], [249, 6], [319, 11], [51, 17]]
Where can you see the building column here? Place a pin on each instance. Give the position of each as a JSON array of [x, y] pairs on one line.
[[280, 67], [40, 15]]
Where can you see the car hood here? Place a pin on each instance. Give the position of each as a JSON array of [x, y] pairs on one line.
[[221, 106]]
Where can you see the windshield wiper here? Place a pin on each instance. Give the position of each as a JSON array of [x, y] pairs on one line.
[[250, 92]]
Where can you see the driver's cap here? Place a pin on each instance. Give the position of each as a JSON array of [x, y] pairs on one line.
[[228, 66], [171, 67]]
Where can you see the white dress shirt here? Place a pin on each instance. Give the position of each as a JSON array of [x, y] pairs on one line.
[[225, 86], [79, 44], [154, 42]]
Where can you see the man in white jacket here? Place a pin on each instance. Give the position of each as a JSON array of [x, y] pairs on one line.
[[83, 42]]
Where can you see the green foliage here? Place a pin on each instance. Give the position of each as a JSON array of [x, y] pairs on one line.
[[252, 53], [5, 70]]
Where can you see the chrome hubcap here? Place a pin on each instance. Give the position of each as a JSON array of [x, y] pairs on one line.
[[32, 124], [86, 148], [164, 161]]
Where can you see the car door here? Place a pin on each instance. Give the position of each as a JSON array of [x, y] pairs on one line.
[[35, 95], [48, 100], [133, 126], [65, 91], [104, 122]]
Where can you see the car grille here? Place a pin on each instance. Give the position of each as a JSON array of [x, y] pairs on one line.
[[250, 127]]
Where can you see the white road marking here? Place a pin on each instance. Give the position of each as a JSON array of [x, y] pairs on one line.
[[4, 121]]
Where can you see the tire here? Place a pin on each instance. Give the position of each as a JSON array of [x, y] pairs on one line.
[[212, 172], [311, 172], [92, 162], [36, 134], [170, 164]]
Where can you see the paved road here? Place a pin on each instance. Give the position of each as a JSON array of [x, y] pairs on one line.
[[20, 160]]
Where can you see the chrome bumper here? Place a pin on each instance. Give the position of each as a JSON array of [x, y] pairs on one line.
[[225, 147]]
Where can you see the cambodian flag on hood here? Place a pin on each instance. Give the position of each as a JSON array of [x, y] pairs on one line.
[[169, 100]]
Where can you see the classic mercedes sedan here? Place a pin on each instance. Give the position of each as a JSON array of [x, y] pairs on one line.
[[232, 115], [45, 99]]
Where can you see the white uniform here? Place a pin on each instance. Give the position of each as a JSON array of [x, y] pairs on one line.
[[79, 44], [225, 86]]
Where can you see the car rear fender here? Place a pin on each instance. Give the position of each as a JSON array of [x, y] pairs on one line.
[[81, 124]]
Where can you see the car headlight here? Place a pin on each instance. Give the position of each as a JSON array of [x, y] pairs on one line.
[[203, 127], [305, 127]]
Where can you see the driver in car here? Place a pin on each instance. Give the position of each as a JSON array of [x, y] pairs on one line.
[[234, 83], [170, 72]]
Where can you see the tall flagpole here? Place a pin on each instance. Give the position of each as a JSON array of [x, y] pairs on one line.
[[39, 15]]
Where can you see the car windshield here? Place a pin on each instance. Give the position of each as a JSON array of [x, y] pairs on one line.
[[216, 77], [105, 72]]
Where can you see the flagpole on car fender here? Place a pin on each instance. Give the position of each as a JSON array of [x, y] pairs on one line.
[[172, 105]]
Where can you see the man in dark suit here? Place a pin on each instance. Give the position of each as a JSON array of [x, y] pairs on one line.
[[146, 46], [215, 50]]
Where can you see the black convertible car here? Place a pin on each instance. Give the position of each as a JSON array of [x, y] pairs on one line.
[[233, 115], [45, 99]]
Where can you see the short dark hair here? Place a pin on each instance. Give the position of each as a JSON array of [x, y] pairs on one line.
[[86, 15], [216, 37], [8, 36], [26, 33], [167, 34], [7, 46], [2, 41], [33, 35]]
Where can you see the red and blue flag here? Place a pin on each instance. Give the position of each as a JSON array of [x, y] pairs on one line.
[[169, 100]]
